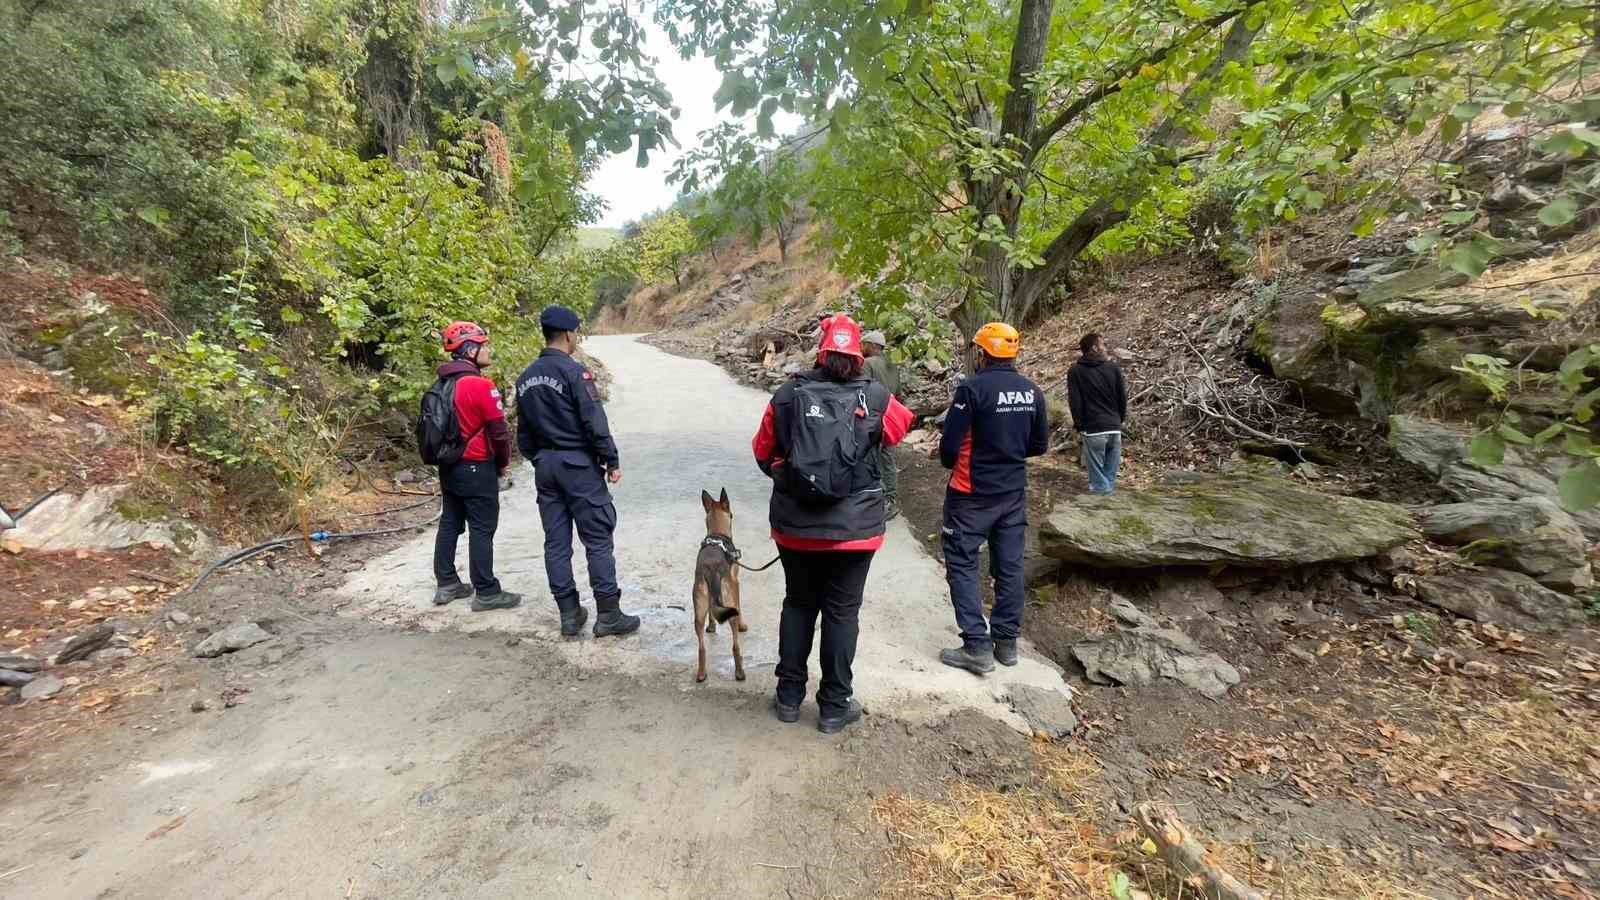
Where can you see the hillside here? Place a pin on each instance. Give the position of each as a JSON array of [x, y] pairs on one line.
[[1338, 363]]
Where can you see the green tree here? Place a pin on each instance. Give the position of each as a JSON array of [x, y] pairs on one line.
[[759, 189], [664, 245], [986, 147]]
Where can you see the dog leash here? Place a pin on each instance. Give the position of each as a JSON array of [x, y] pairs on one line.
[[726, 546]]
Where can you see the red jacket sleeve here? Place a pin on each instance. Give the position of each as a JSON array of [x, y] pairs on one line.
[[897, 421], [765, 443]]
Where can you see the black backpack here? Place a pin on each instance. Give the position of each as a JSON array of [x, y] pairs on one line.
[[438, 427], [827, 439]]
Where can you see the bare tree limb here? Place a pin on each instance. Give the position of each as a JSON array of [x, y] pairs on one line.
[[1187, 857]]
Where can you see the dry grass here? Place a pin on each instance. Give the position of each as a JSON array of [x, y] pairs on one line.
[[1057, 839], [983, 843], [1575, 270]]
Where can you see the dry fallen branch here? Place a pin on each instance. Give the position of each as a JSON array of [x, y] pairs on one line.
[[1186, 856]]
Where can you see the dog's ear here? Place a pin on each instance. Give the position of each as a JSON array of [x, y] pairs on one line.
[[723, 501], [706, 501]]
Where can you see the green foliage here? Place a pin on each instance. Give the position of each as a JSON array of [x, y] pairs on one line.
[[392, 254], [1423, 626], [914, 326], [759, 190], [981, 149], [1579, 485], [580, 68], [663, 247], [110, 138], [234, 398]]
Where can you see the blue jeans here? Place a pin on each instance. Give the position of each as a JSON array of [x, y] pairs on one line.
[[1102, 455]]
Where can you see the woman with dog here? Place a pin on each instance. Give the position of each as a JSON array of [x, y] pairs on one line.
[[819, 443]]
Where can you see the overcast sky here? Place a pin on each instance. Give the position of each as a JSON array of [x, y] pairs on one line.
[[630, 191]]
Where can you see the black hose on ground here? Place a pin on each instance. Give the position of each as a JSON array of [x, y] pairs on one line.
[[8, 521], [31, 506], [234, 559]]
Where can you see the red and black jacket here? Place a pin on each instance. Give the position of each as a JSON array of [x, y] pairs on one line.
[[996, 420], [857, 521], [482, 417]]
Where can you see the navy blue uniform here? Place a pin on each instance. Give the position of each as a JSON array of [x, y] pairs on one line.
[[996, 421], [562, 430]]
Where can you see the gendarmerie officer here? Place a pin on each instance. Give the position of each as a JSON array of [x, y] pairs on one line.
[[562, 430]]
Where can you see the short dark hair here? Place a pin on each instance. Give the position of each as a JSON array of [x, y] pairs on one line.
[[1086, 345], [842, 367], [550, 334]]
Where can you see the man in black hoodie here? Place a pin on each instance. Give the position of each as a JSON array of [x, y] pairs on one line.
[[1099, 400]]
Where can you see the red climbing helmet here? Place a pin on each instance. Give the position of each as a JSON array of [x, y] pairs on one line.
[[840, 334], [460, 333]]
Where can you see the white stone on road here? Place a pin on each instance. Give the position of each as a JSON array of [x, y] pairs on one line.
[[684, 425]]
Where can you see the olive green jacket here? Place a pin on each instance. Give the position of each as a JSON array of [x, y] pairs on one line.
[[882, 370]]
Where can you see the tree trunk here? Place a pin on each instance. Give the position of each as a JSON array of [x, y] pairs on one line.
[[783, 242], [1031, 285]]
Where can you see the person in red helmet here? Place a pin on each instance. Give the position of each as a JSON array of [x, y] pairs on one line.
[[470, 484], [819, 442]]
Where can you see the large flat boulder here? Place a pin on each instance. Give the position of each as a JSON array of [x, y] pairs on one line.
[[1253, 520], [1533, 536]]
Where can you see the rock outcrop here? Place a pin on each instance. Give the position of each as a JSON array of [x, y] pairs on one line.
[[1441, 450], [94, 521], [1145, 651], [1251, 520], [1500, 596], [1532, 536]]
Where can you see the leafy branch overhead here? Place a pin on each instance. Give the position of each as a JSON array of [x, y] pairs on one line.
[[989, 147]]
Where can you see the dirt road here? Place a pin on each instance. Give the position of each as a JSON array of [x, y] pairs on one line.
[[399, 750]]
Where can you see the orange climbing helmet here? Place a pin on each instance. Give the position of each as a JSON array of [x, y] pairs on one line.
[[461, 333], [999, 340]]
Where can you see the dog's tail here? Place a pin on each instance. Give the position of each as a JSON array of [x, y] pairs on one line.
[[713, 580]]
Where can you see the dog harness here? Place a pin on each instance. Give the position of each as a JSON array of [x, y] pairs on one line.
[[725, 544]]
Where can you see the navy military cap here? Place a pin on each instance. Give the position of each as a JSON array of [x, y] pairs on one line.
[[559, 318]]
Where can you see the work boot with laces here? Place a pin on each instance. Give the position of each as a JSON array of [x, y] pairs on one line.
[[611, 620], [497, 600], [977, 660], [448, 592]]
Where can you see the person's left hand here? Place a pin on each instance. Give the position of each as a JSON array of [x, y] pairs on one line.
[[614, 476]]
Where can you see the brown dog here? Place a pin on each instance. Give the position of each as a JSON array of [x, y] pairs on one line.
[[716, 582]]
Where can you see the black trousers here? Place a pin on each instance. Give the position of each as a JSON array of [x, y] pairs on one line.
[[471, 494], [573, 494], [830, 584], [1002, 520]]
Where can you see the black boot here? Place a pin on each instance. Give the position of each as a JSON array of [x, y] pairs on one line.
[[612, 620], [449, 592], [573, 615], [785, 712], [835, 722], [976, 661], [501, 600], [1005, 651]]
